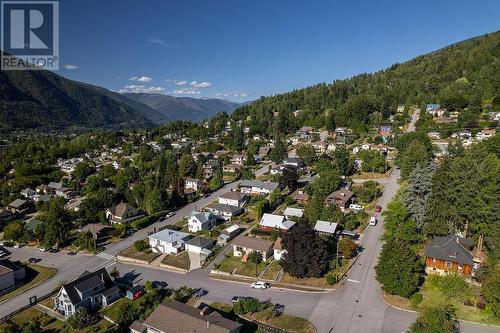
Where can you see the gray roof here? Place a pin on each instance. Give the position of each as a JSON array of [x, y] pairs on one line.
[[233, 195], [325, 226], [170, 236], [450, 248], [225, 208], [257, 183], [200, 242], [17, 203], [87, 280]]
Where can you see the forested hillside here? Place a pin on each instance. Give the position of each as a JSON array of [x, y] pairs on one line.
[[457, 76]]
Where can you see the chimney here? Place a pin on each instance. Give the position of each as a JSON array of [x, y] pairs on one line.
[[102, 278]]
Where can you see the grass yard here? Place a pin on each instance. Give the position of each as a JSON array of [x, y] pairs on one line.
[[242, 268], [35, 275], [180, 260], [272, 270], [309, 282], [287, 323], [131, 252], [113, 310]]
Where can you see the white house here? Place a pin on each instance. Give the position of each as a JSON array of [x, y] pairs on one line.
[[238, 159], [273, 221], [229, 233], [224, 211], [168, 241], [257, 187], [325, 227], [293, 212], [233, 198], [192, 183], [201, 221]]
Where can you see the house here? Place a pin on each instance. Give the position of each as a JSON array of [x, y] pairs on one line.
[[198, 221], [97, 230], [342, 198], [11, 275], [325, 227], [278, 249], [65, 193], [28, 193], [193, 183], [20, 206], [434, 135], [6, 215], [400, 109], [264, 151], [449, 254], [229, 233], [257, 187], [244, 245], [293, 212], [177, 317], [238, 159], [301, 197], [320, 147], [74, 204], [168, 241], [230, 168], [224, 211], [199, 250], [90, 291], [123, 213], [210, 167], [271, 222], [430, 107], [294, 161], [233, 198]]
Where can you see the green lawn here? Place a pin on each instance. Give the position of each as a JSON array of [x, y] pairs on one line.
[[242, 268], [180, 260], [112, 310], [35, 275], [131, 252]]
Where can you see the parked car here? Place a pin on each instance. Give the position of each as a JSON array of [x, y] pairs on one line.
[[54, 250], [17, 246], [160, 284], [7, 244], [373, 220], [378, 209], [260, 285], [278, 309], [199, 292], [34, 260], [355, 207], [170, 214], [71, 253], [44, 249]]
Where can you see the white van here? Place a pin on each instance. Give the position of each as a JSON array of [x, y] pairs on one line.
[[355, 207], [373, 220]]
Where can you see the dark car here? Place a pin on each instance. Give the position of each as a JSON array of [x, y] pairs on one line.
[[378, 209], [54, 250], [34, 260], [71, 253], [160, 284], [278, 309], [200, 292]]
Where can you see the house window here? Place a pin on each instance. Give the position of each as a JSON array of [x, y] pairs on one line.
[[448, 264]]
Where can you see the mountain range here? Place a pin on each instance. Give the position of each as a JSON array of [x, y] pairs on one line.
[[45, 100], [182, 108]]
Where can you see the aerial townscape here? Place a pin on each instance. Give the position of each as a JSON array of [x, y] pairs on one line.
[[366, 204]]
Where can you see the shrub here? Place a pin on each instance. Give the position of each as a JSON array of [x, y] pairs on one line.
[[416, 299], [81, 319], [141, 245], [330, 278], [455, 287]]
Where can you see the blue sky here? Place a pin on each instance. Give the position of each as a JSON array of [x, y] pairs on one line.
[[241, 50]]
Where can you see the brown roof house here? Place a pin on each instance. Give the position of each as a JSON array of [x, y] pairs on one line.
[[123, 213], [244, 245], [342, 198], [450, 254], [177, 317], [97, 230]]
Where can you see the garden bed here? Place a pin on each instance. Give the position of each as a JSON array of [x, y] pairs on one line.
[[131, 252], [180, 260]]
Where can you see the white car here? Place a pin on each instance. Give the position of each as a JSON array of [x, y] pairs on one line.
[[373, 220], [355, 207], [43, 249], [260, 285], [17, 246], [170, 215]]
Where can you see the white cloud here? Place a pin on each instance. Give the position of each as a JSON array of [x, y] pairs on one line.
[[180, 82], [69, 66], [161, 42], [232, 94], [204, 84], [133, 88], [143, 78], [186, 91]]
